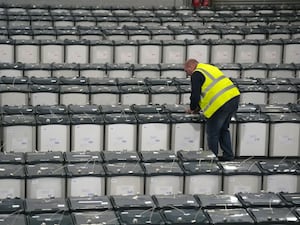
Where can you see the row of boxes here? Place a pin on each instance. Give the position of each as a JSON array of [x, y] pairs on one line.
[[150, 31], [157, 210], [83, 91], [159, 10], [162, 19], [273, 132], [138, 71], [160, 173], [150, 51]]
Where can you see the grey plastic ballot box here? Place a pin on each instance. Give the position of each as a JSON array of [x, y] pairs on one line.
[[52, 51], [120, 156], [222, 51], [131, 81], [199, 155], [83, 157], [87, 131], [51, 109], [126, 51], [270, 51], [231, 70], [120, 132], [282, 94], [14, 94], [256, 70], [184, 33], [120, 70], [272, 215], [154, 132], [44, 157], [229, 216], [252, 134], [84, 109], [11, 69], [185, 93], [292, 199], [50, 219], [150, 51], [134, 94], [18, 109], [139, 34], [104, 94], [173, 51], [7, 219], [65, 70], [53, 132], [115, 33], [45, 180], [178, 201], [159, 81], [110, 109], [172, 70], [284, 134], [19, 132], [158, 156], [255, 94], [12, 158], [163, 178], [174, 108], [138, 216], [7, 52], [209, 33], [34, 70], [281, 70], [187, 131], [93, 70], [132, 202], [124, 178], [81, 174], [76, 51], [101, 51], [90, 203], [74, 94], [280, 175], [202, 177], [142, 71], [246, 51], [275, 108], [44, 94], [12, 205], [248, 108], [27, 51], [107, 217], [222, 201], [143, 109], [198, 49], [45, 205], [184, 216], [260, 199], [241, 176]]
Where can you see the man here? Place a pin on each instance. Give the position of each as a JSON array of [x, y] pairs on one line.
[[218, 98]]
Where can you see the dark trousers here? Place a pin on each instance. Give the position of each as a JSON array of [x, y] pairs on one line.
[[217, 129]]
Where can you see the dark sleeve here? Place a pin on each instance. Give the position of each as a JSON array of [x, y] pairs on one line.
[[197, 80]]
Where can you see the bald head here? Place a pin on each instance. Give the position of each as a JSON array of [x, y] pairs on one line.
[[190, 65]]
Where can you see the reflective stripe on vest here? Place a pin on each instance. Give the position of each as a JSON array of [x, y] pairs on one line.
[[218, 89], [214, 80]]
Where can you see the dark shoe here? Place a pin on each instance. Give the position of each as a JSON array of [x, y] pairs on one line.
[[225, 159]]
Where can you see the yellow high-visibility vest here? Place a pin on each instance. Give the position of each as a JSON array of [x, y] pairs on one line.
[[216, 90]]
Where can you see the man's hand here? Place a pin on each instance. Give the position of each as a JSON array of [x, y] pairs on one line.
[[192, 111]]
